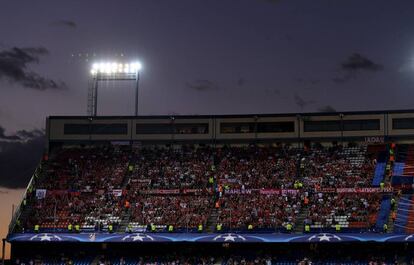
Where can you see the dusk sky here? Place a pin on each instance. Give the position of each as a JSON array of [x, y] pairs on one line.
[[199, 57]]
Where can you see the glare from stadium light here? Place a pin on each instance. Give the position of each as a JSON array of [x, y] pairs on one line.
[[108, 68]]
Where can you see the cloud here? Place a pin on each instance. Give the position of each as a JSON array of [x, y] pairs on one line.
[[354, 65], [64, 23], [3, 136], [327, 108], [20, 136], [14, 68], [299, 101], [357, 62], [202, 85], [18, 159]]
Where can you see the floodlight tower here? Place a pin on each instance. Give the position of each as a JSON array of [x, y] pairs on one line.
[[112, 71]]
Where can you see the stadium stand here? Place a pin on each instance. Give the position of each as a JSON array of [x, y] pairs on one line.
[[102, 188], [405, 213], [99, 197]]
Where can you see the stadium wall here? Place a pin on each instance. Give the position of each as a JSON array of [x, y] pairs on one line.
[[326, 127]]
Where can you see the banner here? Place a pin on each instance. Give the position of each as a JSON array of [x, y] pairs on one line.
[[158, 191], [117, 192], [40, 194], [142, 237], [363, 190], [234, 191], [355, 190], [270, 191], [141, 180], [193, 191]]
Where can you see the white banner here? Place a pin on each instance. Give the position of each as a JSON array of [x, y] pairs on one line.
[[117, 192], [40, 194]]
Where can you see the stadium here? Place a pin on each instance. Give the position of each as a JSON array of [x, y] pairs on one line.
[[236, 132], [331, 188]]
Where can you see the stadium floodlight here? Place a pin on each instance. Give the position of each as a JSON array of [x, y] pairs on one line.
[[101, 71], [116, 71]]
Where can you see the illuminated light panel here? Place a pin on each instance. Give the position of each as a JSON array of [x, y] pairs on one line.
[[109, 68]]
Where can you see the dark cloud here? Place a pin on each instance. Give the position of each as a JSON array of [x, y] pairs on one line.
[[65, 23], [14, 68], [302, 103], [327, 108], [3, 136], [355, 64], [27, 135], [22, 135], [18, 159], [202, 85]]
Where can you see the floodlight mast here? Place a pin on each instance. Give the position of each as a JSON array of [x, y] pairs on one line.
[[114, 72]]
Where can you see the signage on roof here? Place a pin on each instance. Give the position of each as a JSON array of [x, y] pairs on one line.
[[374, 140]]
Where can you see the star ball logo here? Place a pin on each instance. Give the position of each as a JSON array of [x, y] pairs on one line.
[[229, 238], [137, 237], [45, 237], [409, 238], [324, 237], [92, 237]]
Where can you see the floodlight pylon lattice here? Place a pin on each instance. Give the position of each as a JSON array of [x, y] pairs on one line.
[[111, 72]]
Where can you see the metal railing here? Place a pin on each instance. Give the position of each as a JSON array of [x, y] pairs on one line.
[[18, 210]]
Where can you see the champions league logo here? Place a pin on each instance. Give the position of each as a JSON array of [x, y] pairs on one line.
[[45, 237], [229, 238], [138, 237], [324, 237], [92, 237]]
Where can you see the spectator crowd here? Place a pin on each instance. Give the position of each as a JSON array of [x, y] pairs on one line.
[[97, 187]]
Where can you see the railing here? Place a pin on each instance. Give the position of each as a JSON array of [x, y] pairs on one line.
[[18, 210]]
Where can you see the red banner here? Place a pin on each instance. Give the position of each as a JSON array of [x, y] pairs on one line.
[[176, 191]]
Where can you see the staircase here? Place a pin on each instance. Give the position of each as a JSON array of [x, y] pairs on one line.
[[299, 224], [126, 217], [212, 221], [390, 222], [384, 214], [26, 212], [405, 206], [124, 221], [378, 174], [390, 225]]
